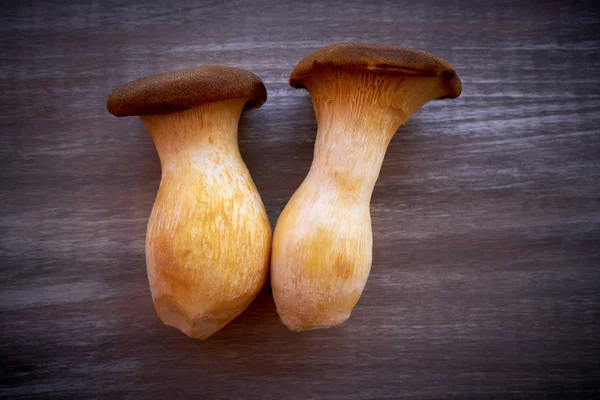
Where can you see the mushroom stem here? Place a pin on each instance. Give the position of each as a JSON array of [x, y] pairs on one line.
[[322, 246], [356, 121], [358, 113], [208, 238], [198, 131]]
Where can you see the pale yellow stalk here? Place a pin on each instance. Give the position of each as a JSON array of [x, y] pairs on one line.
[[208, 238], [322, 246]]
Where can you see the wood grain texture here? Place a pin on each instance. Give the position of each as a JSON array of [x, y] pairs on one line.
[[486, 217]]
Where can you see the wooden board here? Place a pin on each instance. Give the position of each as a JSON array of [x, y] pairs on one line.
[[486, 216]]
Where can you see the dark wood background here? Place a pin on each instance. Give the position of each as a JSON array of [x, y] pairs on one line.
[[486, 217]]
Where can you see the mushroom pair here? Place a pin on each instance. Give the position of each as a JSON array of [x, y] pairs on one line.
[[209, 240]]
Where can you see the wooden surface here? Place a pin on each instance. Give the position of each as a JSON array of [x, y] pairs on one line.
[[486, 217]]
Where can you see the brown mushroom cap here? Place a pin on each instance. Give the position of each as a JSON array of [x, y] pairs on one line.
[[184, 89], [377, 57]]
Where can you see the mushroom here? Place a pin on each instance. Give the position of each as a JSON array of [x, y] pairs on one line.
[[208, 238], [322, 246]]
